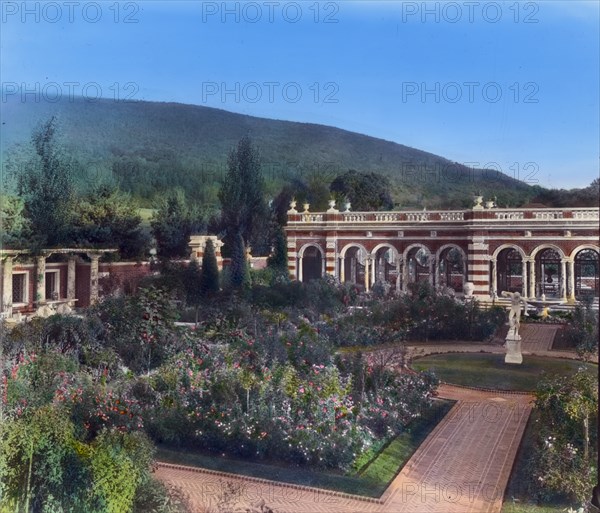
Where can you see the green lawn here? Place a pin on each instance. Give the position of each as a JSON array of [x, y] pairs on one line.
[[370, 481], [490, 371]]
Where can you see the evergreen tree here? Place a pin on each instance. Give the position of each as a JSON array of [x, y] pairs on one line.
[[209, 281], [108, 218], [279, 259], [172, 225], [46, 186], [239, 274], [243, 207]]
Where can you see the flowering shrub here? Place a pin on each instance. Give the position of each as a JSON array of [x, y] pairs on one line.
[[564, 462], [303, 409]]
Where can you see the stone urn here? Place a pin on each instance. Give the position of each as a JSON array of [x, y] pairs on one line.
[[478, 203], [489, 204], [468, 289], [347, 206], [306, 207]]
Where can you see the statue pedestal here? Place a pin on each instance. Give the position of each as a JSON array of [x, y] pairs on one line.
[[513, 348]]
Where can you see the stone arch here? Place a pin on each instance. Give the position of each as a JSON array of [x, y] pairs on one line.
[[508, 266], [419, 245], [585, 267], [386, 263], [311, 245], [543, 247], [351, 245], [418, 265], [549, 277], [451, 273], [519, 249], [582, 247], [311, 262], [353, 264]]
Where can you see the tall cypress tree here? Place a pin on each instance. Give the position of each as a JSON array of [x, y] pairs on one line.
[[243, 206], [239, 272], [279, 259], [209, 281]]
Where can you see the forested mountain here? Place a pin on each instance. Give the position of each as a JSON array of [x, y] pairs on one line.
[[148, 148]]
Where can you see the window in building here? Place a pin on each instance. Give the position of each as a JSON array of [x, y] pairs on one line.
[[19, 288], [52, 285]]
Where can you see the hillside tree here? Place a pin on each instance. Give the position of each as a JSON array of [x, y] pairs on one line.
[[173, 223], [243, 208], [106, 217], [46, 186], [366, 191]]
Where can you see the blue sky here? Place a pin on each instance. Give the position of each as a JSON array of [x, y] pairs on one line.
[[513, 85]]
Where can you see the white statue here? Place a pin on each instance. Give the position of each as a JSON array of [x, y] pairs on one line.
[[514, 315]]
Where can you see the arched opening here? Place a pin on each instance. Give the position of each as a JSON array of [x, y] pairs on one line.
[[510, 271], [586, 274], [452, 269], [548, 273], [312, 264], [354, 266], [385, 265], [418, 265]]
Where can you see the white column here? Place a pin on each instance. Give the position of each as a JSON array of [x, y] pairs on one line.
[[40, 295], [94, 278], [432, 268], [398, 273], [342, 269], [563, 279], [405, 269], [7, 285], [373, 271], [524, 279], [71, 265], [494, 278], [299, 268], [532, 278], [571, 291], [367, 273]]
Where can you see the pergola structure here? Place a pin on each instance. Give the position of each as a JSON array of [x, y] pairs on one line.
[[35, 282], [546, 253]]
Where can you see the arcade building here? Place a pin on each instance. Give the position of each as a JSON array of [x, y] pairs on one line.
[[548, 254]]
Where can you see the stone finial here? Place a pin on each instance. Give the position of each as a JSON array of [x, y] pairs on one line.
[[490, 204], [306, 207], [347, 206], [292, 209], [332, 209], [478, 203]]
